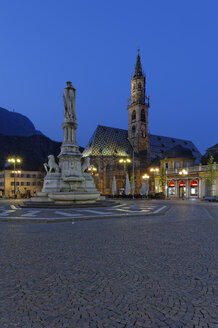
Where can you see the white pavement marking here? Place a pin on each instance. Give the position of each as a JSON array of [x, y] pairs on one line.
[[13, 207], [95, 212], [159, 209], [67, 214], [123, 209], [7, 212], [30, 213]]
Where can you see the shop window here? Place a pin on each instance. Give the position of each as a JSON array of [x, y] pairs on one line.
[[171, 188], [194, 188]]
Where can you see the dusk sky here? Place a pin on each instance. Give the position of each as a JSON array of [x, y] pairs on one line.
[[94, 44]]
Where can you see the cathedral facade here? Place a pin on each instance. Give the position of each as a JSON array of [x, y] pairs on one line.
[[117, 152]]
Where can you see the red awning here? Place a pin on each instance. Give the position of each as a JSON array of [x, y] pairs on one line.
[[194, 183], [182, 184], [171, 184]]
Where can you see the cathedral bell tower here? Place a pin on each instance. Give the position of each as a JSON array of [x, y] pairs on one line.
[[138, 111]]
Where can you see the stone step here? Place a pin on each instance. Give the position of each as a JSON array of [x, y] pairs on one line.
[[105, 203]]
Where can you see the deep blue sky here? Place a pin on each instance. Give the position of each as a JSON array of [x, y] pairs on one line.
[[94, 44]]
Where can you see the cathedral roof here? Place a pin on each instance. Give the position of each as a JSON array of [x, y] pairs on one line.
[[215, 147], [107, 141], [179, 152], [160, 144]]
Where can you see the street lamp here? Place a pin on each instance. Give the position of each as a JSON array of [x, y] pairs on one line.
[[183, 173], [92, 169], [124, 161], [14, 161], [153, 170], [145, 176]]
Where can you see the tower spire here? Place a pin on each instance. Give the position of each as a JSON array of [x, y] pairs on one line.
[[138, 66]]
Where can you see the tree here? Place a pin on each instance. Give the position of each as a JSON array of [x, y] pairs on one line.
[[211, 175], [163, 178]]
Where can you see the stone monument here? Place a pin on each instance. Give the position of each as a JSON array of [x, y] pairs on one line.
[[68, 181]]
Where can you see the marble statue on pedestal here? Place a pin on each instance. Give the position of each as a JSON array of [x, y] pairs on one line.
[[69, 98], [68, 181]]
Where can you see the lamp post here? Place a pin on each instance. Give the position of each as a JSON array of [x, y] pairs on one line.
[[154, 170], [183, 173], [146, 177], [124, 161], [14, 161]]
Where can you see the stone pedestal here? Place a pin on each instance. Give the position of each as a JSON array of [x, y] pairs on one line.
[[89, 182], [52, 182], [70, 160]]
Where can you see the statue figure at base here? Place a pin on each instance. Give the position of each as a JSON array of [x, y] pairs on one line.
[[51, 165], [85, 163]]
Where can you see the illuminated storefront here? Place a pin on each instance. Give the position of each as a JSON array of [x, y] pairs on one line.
[[194, 188], [171, 188]]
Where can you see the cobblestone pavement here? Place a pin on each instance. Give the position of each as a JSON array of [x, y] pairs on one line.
[[145, 272], [10, 211]]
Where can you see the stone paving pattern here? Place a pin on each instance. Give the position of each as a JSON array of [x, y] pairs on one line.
[[143, 272]]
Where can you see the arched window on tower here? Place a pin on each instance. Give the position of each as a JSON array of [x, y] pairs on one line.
[[143, 133], [133, 131], [143, 115], [139, 86], [133, 115]]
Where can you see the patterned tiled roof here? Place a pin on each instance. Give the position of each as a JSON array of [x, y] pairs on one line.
[[159, 145], [109, 141]]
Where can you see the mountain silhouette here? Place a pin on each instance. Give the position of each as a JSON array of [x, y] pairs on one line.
[[15, 124]]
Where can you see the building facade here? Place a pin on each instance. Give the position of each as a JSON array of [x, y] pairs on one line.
[[184, 179], [21, 183], [117, 152]]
